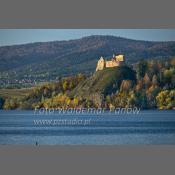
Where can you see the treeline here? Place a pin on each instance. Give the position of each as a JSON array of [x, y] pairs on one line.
[[38, 96], [154, 88]]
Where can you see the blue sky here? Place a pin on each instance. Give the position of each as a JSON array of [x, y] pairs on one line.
[[21, 36]]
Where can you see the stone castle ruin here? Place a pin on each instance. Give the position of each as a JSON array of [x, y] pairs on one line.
[[116, 60]]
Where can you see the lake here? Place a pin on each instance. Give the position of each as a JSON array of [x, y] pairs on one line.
[[26, 127]]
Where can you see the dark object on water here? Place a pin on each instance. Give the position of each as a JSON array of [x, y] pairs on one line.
[[36, 143]]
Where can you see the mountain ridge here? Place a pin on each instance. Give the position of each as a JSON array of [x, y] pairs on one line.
[[45, 61], [84, 37]]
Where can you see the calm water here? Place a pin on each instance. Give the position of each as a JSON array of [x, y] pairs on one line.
[[148, 127]]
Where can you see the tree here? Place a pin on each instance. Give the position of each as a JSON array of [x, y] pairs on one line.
[[1, 102], [10, 103], [154, 80], [65, 84], [153, 68], [139, 85], [168, 76], [141, 99], [75, 102], [142, 68], [173, 81], [166, 99], [151, 94], [173, 62], [146, 80], [126, 85]]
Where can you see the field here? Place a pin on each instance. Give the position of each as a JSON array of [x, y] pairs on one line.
[[6, 93]]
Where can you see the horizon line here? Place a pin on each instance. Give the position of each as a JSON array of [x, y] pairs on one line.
[[101, 35]]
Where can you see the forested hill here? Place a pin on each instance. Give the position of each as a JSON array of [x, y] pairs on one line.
[[48, 60]]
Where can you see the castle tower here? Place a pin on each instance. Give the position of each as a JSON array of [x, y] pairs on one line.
[[100, 64], [120, 58]]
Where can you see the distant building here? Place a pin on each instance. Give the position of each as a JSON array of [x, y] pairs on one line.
[[116, 60]]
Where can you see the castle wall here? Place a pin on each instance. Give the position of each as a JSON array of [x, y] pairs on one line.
[[111, 64]]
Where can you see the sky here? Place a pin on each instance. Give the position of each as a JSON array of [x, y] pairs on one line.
[[22, 36]]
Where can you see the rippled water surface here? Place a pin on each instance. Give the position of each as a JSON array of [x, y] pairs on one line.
[[148, 127]]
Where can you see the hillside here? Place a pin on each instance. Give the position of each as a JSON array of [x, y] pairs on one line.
[[30, 63], [151, 85], [104, 82]]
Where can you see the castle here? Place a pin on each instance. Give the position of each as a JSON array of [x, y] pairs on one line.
[[116, 60]]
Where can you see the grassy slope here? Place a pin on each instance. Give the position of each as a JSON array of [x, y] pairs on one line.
[[105, 81], [7, 93]]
